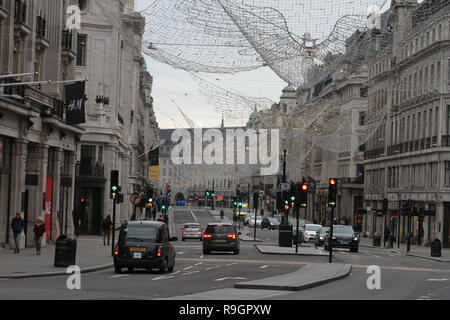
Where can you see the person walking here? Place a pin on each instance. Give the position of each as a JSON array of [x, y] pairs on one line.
[[39, 230], [107, 223], [17, 226]]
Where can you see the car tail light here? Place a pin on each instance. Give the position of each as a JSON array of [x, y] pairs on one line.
[[232, 236], [207, 236], [200, 230], [184, 230], [159, 252], [116, 250]]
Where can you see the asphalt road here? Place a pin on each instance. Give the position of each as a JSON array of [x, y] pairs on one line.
[[401, 277]]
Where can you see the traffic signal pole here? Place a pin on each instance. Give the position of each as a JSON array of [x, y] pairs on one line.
[[113, 236], [330, 244]]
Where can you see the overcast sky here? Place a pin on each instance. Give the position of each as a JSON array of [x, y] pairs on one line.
[[174, 88]]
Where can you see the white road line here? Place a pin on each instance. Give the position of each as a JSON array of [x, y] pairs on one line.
[[189, 273], [230, 264], [193, 215], [230, 278], [119, 276], [263, 267], [187, 268], [212, 268], [437, 280]]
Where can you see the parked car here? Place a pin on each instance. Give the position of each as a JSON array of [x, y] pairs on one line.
[[310, 231], [320, 236], [221, 237], [270, 223], [343, 237], [144, 244], [192, 231]]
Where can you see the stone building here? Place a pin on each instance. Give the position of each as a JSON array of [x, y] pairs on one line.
[[408, 158], [120, 126], [38, 149]]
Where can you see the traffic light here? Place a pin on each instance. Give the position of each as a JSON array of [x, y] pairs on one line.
[[114, 189], [240, 203], [119, 198], [207, 193], [83, 202], [196, 197], [303, 196], [235, 203], [332, 192]]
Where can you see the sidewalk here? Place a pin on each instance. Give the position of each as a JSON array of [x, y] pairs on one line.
[[91, 256], [416, 251]]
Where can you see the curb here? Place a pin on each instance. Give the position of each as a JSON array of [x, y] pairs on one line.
[[56, 274], [347, 269], [390, 249], [428, 258]]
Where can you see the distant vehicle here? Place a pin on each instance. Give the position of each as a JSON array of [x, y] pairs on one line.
[[320, 236], [221, 237], [251, 221], [343, 237], [310, 231], [270, 223], [144, 244], [192, 231]]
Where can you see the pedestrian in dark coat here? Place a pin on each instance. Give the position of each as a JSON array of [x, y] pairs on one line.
[[107, 223], [39, 230], [17, 226]]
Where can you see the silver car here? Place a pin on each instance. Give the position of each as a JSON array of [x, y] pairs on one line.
[[192, 231], [310, 231]]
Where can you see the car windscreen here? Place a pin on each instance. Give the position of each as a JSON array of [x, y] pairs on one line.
[[324, 230], [343, 229], [223, 229], [312, 228], [140, 232]]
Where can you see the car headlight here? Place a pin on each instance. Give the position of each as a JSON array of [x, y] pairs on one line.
[[321, 238], [334, 238], [355, 239]]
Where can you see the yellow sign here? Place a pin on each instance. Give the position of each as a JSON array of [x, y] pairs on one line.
[[153, 172]]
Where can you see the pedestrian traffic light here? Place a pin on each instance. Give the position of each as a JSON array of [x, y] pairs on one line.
[[114, 189], [332, 192]]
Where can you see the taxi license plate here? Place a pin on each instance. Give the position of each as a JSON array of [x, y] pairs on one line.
[[138, 249], [220, 241], [137, 255]]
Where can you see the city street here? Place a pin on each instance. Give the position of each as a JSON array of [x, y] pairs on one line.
[[402, 277]]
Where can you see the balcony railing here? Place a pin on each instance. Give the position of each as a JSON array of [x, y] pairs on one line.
[[14, 91], [67, 40], [90, 170], [351, 180], [20, 12], [41, 24], [421, 144]]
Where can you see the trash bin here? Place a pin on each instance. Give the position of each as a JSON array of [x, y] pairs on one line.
[[285, 236], [436, 248], [377, 240], [65, 251]]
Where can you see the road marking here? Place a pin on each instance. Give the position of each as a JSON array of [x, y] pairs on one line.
[[164, 277], [193, 215], [119, 276], [189, 273], [212, 268], [197, 264], [263, 267], [230, 278], [230, 264], [187, 268], [437, 280]]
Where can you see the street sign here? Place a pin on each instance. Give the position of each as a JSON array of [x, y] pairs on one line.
[[285, 187], [135, 199]]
